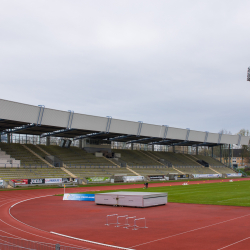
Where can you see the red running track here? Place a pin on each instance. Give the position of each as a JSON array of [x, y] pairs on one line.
[[174, 226]]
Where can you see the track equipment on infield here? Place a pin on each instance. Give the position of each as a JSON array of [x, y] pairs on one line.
[[121, 216], [107, 224], [126, 225], [136, 227]]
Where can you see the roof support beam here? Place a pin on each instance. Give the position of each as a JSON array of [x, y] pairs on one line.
[[139, 129], [56, 132], [162, 141], [183, 143], [143, 139], [108, 124], [17, 129], [120, 137], [88, 135], [40, 115], [71, 114], [165, 132]]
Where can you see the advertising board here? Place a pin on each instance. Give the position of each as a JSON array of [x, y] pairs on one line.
[[1, 183], [132, 178], [21, 181], [79, 197], [183, 176], [65, 180], [36, 181], [234, 175], [157, 177], [97, 179], [53, 180], [207, 175]]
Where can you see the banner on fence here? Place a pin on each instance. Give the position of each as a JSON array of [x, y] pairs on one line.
[[36, 181], [21, 181], [97, 179], [66, 180], [183, 176], [132, 178], [79, 197], [1, 183], [157, 177], [234, 175], [207, 175], [53, 180]]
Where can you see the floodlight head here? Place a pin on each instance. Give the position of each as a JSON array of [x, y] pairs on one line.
[[248, 74]]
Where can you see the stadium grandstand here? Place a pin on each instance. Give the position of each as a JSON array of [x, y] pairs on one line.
[[37, 142]]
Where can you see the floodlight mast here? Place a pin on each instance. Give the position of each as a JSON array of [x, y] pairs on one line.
[[248, 74]]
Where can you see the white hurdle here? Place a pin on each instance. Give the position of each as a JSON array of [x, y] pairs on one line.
[[118, 220], [137, 227], [127, 224], [108, 219]]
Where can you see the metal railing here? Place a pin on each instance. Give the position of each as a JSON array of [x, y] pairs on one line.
[[10, 243], [12, 247]]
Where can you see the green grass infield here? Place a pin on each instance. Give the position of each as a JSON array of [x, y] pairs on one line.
[[236, 193]]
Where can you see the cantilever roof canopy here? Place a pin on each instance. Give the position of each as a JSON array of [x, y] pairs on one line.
[[37, 120]]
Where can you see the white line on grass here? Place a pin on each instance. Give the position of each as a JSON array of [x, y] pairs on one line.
[[233, 199], [192, 230], [93, 242]]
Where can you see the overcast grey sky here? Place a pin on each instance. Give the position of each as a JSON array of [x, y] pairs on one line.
[[179, 63]]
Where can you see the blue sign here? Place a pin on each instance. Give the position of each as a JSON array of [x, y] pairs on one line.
[[79, 197]]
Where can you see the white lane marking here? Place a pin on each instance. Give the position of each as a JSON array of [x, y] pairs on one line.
[[192, 230], [24, 201], [69, 244], [234, 243], [93, 242]]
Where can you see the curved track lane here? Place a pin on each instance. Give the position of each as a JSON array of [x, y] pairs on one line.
[[13, 228]]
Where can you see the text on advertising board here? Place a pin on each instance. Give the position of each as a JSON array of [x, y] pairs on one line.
[[36, 181], [20, 181], [79, 197], [53, 180]]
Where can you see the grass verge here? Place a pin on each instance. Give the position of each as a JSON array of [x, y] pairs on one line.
[[235, 193]]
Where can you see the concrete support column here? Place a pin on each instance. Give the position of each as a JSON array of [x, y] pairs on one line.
[[132, 146], [220, 153], [212, 151], [47, 140], [197, 150], [26, 139], [174, 149], [229, 155], [80, 143], [8, 138], [0, 137], [153, 147]]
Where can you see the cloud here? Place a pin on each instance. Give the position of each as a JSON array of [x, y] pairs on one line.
[[163, 62]]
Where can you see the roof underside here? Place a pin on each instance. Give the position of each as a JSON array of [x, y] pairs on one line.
[[26, 119]]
